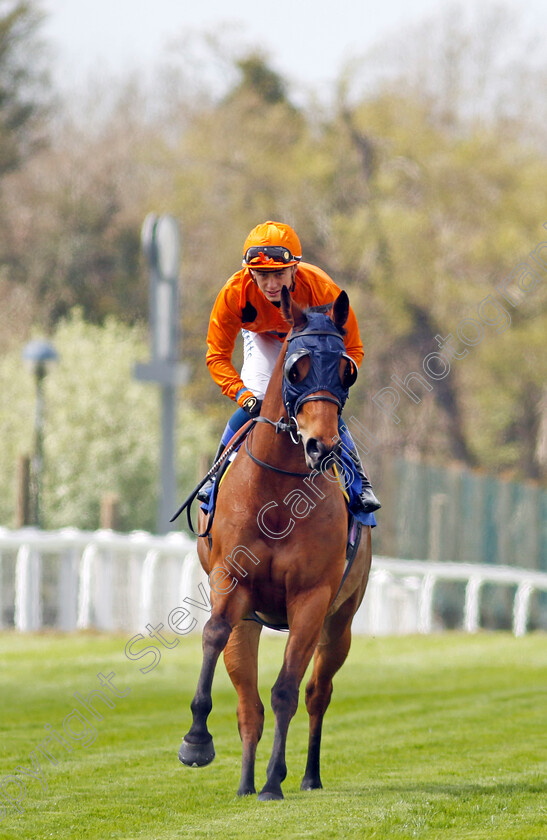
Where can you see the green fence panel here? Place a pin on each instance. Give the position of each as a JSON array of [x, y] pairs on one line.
[[457, 515]]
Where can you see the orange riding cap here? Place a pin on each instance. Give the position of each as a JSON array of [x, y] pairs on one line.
[[271, 246], [241, 304]]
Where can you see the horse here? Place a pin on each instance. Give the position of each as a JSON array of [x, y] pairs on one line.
[[277, 550]]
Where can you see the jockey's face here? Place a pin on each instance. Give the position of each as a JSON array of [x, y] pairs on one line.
[[270, 283]]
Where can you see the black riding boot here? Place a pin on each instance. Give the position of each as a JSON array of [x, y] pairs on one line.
[[369, 502], [205, 491]]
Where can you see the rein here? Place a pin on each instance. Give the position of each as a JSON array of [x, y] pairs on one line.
[[281, 426], [290, 427], [270, 466], [218, 467], [221, 465]]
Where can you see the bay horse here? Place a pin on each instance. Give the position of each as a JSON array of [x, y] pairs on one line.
[[277, 551]]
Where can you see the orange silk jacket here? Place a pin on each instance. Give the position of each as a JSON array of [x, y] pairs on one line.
[[241, 305]]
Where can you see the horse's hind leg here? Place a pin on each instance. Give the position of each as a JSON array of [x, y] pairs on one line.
[[240, 656], [330, 655]]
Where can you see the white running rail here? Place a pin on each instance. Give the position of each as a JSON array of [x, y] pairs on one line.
[[72, 579]]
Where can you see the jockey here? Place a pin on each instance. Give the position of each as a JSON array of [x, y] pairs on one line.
[[249, 303]]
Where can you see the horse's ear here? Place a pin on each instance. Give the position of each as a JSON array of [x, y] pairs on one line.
[[340, 310], [291, 311], [286, 305]]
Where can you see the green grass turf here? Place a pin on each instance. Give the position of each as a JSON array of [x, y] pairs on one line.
[[426, 737]]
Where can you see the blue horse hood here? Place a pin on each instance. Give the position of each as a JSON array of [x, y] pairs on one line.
[[323, 343]]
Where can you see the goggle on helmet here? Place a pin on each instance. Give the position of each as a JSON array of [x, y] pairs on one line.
[[269, 257]]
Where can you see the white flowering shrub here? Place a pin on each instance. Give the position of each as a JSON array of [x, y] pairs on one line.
[[101, 428]]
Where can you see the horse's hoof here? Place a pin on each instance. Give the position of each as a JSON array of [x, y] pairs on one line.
[[268, 796], [196, 755], [311, 784]]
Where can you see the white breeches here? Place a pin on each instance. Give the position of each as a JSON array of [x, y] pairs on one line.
[[260, 354]]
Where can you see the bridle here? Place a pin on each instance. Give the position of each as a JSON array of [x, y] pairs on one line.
[[291, 427], [292, 399], [322, 344], [281, 426]]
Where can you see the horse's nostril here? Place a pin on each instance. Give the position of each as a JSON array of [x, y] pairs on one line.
[[311, 448], [316, 450]]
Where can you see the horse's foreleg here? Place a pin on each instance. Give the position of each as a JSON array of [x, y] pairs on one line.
[[330, 655], [304, 633], [197, 748], [240, 656]]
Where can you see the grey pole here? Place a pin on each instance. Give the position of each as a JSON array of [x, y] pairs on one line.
[[168, 478], [38, 455], [161, 245], [38, 354], [166, 306]]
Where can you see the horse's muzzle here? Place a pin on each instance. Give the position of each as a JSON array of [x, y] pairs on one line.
[[317, 452]]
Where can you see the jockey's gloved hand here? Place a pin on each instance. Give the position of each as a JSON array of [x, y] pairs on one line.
[[252, 406], [250, 403]]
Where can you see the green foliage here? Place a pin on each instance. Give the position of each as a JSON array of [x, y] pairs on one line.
[[257, 77], [84, 249], [426, 737], [447, 218], [22, 82], [101, 428]]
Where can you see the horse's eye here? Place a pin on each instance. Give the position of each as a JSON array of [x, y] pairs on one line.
[[299, 370], [297, 367], [347, 371]]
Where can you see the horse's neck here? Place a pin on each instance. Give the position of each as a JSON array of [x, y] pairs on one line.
[[267, 444], [272, 404]]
